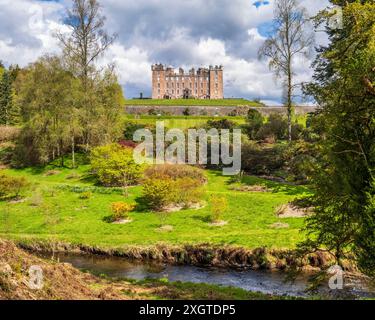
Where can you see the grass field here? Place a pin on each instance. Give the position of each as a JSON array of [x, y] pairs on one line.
[[181, 122], [191, 102], [53, 210]]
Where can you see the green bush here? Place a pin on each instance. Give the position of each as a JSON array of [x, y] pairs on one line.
[[219, 205], [114, 165], [254, 122], [220, 124], [187, 191], [260, 160], [276, 127], [12, 186], [158, 192], [173, 184]]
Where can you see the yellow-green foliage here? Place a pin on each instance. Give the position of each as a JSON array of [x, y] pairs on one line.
[[121, 210], [174, 172], [187, 191], [11, 186], [158, 192], [219, 205], [85, 195], [115, 166], [173, 184]]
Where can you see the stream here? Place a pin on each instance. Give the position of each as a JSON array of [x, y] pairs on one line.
[[258, 281]]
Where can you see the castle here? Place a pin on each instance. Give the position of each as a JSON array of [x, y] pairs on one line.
[[205, 83]]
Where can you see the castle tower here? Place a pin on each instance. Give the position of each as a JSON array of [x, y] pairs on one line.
[[158, 81], [216, 82]]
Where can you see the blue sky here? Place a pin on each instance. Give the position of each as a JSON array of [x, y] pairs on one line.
[[187, 33]]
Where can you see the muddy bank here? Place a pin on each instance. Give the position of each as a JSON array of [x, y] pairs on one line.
[[61, 281], [203, 255]]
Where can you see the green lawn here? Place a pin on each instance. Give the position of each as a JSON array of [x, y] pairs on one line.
[[181, 122], [63, 216], [191, 102]]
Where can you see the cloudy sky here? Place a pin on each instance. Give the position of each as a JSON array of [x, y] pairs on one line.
[[187, 33]]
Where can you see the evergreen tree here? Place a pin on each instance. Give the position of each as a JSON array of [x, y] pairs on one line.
[[344, 87], [5, 98]]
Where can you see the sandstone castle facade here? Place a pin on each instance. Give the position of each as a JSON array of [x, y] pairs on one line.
[[204, 83]]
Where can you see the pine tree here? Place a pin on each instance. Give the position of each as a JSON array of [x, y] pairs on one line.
[[5, 99], [344, 87]]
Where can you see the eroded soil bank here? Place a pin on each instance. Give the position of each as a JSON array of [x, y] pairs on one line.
[[61, 281], [199, 255]]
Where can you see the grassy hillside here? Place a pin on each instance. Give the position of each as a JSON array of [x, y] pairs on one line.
[[191, 102], [54, 211]]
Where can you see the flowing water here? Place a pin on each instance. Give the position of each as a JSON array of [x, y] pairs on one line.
[[258, 281]]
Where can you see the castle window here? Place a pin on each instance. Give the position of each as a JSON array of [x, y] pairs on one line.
[[172, 91], [190, 85], [158, 85], [178, 91], [159, 91]]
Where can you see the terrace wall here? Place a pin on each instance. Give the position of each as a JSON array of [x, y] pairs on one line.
[[212, 110]]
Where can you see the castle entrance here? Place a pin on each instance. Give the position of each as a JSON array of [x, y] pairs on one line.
[[187, 93]]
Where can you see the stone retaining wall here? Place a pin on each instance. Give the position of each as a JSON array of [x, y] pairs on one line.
[[212, 110]]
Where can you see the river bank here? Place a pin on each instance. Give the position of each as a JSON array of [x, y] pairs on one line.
[[61, 281], [203, 255]]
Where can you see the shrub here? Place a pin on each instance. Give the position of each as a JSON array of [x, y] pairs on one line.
[[187, 112], [158, 192], [187, 191], [85, 195], [219, 205], [175, 172], [277, 126], [12, 186], [8, 133], [173, 184], [36, 199], [261, 160], [115, 166], [220, 124], [120, 211], [254, 122]]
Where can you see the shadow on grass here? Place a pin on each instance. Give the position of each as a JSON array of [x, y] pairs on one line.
[[205, 219], [142, 205], [274, 187]]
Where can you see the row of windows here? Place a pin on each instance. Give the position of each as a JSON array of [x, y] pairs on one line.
[[178, 92], [183, 85]]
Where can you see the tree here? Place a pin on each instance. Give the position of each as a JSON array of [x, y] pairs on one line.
[[290, 39], [88, 40], [101, 96], [254, 121], [6, 102], [343, 86], [115, 166], [46, 98]]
